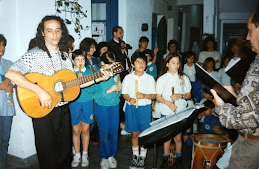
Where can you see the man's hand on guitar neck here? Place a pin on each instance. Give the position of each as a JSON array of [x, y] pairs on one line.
[[44, 98], [107, 73]]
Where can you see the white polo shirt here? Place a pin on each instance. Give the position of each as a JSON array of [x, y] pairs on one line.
[[164, 87], [146, 85], [190, 72]]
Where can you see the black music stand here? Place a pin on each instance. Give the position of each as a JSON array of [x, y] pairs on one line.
[[168, 132]]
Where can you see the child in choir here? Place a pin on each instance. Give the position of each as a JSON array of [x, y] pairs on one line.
[[91, 62], [209, 66], [107, 98], [189, 70], [143, 44], [206, 96], [138, 89], [151, 67], [82, 110], [173, 89], [211, 124], [223, 77]]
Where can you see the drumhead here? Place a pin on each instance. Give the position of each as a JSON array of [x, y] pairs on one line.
[[212, 140]]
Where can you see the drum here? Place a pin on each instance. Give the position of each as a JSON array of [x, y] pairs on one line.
[[207, 149]]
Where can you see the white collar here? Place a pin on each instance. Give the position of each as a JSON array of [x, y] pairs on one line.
[[82, 69], [116, 40]]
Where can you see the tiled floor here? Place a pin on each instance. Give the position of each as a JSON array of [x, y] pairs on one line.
[[123, 157]]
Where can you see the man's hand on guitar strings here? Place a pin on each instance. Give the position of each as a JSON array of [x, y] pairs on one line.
[[45, 99], [106, 74]]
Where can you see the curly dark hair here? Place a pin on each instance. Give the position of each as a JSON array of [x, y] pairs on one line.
[[63, 43], [208, 39], [86, 44], [241, 45]]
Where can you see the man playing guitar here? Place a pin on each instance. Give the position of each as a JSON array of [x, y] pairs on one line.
[[52, 132]]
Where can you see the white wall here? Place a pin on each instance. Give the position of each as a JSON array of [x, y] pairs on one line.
[[131, 17], [19, 20]]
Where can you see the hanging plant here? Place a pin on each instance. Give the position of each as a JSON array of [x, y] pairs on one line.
[[73, 13]]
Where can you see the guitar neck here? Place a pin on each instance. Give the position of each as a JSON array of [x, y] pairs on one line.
[[82, 80]]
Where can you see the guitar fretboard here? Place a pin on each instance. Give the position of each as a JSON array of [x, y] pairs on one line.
[[82, 80]]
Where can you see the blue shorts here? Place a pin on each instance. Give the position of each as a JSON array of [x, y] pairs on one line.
[[187, 132], [81, 111], [137, 119]]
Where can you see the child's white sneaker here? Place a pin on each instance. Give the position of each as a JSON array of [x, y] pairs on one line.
[[76, 160], [112, 162], [104, 164], [85, 161], [124, 133]]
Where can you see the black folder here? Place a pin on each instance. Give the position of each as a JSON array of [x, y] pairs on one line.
[[237, 69], [210, 83]]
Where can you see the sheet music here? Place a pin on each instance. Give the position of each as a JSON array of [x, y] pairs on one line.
[[231, 63], [170, 119]]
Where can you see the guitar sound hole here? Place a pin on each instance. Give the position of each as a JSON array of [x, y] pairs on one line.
[[58, 87]]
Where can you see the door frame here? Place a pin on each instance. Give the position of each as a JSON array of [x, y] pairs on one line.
[[111, 15]]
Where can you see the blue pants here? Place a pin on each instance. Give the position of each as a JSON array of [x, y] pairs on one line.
[[107, 118], [5, 130]]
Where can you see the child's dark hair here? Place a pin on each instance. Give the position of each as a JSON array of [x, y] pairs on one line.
[[143, 39], [78, 52], [136, 55], [223, 60], [173, 42], [209, 104], [208, 60], [2, 39], [101, 45], [189, 54], [108, 57], [149, 52]]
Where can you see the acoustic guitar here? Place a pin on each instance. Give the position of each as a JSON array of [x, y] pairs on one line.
[[63, 86]]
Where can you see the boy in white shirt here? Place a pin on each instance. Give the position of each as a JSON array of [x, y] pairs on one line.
[[138, 89]]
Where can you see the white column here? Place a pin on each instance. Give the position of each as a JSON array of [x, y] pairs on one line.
[[208, 16]]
